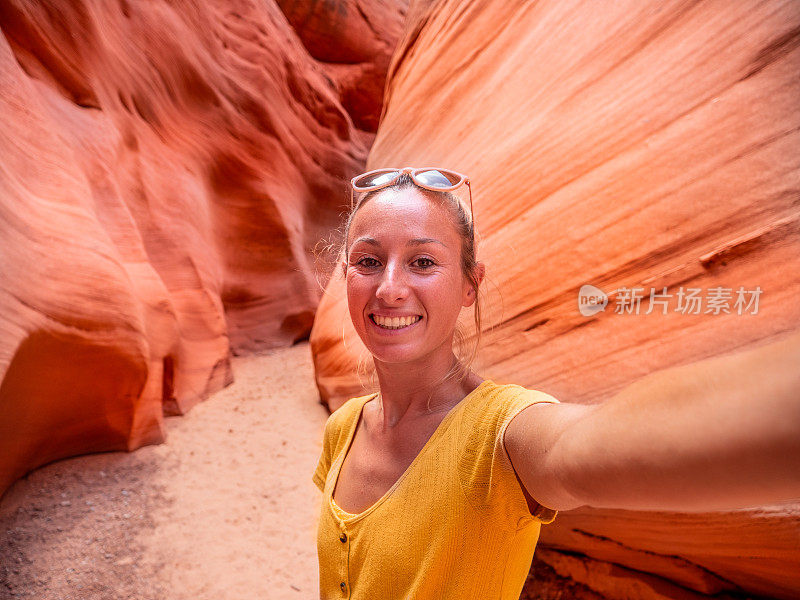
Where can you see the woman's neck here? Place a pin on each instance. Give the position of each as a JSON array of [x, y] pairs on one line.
[[408, 391]]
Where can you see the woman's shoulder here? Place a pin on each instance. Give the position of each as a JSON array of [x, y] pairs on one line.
[[496, 404], [345, 416], [511, 395], [354, 404]]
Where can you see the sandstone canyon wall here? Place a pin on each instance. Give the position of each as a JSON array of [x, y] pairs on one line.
[[166, 172], [644, 145]]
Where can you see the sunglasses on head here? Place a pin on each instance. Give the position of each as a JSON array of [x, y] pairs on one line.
[[429, 178]]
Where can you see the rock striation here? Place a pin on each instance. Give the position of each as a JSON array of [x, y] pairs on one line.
[[652, 151]]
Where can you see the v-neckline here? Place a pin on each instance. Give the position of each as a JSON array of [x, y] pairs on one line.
[[352, 517]]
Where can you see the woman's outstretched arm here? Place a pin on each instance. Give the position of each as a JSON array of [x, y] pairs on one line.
[[718, 434]]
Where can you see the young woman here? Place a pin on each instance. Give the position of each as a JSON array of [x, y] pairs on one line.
[[437, 485]]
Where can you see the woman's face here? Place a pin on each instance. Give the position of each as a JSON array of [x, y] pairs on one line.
[[405, 287]]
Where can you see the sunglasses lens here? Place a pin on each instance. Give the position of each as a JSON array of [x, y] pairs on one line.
[[372, 179], [437, 179]]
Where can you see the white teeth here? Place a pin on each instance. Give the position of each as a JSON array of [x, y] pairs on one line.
[[395, 322]]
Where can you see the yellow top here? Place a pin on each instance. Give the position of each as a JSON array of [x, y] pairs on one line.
[[454, 526]]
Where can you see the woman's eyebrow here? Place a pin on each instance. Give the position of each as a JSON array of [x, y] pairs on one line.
[[367, 240], [411, 242], [420, 241]]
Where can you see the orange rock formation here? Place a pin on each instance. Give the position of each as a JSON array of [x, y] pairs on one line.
[[167, 169], [633, 145]]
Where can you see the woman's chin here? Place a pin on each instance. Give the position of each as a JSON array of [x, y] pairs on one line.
[[394, 355], [394, 349]]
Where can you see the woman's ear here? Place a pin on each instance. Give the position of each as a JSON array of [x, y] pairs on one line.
[[471, 294]]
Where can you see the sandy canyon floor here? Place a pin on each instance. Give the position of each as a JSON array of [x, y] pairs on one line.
[[224, 510]]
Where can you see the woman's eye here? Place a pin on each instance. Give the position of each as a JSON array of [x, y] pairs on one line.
[[424, 262], [367, 262]]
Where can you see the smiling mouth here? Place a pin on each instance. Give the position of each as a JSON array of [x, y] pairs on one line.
[[394, 322]]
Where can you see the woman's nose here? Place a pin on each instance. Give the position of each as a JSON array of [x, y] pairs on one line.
[[393, 286]]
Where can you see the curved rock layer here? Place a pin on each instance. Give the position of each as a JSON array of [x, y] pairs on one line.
[[637, 145], [167, 170]]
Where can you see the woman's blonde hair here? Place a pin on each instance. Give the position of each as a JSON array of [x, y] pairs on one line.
[[462, 220]]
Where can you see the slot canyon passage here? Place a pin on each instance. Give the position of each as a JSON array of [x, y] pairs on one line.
[[172, 175]]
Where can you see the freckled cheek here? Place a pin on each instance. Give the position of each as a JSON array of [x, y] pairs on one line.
[[440, 290], [438, 303], [359, 292]]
